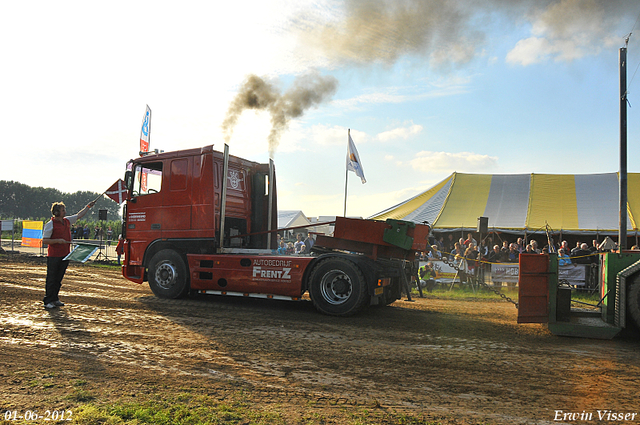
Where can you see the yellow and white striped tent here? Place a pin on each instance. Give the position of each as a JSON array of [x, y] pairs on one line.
[[580, 203]]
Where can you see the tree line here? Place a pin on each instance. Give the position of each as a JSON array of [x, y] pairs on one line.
[[23, 202]]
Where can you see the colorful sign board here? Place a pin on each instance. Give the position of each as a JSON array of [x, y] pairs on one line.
[[32, 233]]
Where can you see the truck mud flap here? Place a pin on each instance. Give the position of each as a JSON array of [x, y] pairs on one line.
[[133, 273]]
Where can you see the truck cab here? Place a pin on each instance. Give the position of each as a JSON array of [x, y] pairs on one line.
[[175, 203]]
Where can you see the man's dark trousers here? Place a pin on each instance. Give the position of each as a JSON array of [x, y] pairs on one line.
[[56, 267]]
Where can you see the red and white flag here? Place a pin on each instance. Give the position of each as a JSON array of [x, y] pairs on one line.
[[117, 192]]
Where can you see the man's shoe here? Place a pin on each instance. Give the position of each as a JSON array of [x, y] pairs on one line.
[[58, 303], [50, 305]]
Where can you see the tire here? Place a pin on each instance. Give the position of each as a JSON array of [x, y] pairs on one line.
[[168, 275], [337, 287], [633, 300]]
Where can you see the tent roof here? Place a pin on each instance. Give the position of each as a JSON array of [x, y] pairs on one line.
[[518, 202]]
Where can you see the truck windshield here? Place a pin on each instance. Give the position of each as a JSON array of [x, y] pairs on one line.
[[147, 179]]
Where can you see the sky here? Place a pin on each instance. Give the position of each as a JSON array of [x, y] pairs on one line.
[[425, 87]]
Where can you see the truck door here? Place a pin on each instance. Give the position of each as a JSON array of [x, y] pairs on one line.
[[176, 215], [144, 209]]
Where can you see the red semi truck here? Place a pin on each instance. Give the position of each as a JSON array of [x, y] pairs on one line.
[[178, 202]]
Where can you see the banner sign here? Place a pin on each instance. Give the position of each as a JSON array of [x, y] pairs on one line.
[[444, 272], [81, 252], [145, 135], [32, 233], [505, 272], [575, 274], [145, 130]]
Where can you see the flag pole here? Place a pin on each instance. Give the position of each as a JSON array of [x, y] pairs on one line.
[[149, 130], [100, 196], [346, 176]]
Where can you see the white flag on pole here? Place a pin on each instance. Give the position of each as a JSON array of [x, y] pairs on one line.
[[353, 160]]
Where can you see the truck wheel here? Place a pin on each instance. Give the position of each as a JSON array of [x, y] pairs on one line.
[[337, 287], [633, 300], [168, 275]]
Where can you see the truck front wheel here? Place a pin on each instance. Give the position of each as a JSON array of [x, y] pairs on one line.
[[337, 287], [168, 275]]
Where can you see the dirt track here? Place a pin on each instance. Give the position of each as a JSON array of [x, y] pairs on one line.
[[437, 360]]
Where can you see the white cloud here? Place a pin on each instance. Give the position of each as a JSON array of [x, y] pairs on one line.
[[435, 88], [426, 161], [399, 133], [334, 136], [391, 158], [529, 51], [300, 138]]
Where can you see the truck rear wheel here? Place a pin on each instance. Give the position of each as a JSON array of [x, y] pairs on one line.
[[168, 275], [633, 300], [337, 287]]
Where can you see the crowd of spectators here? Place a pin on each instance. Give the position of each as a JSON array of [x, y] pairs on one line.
[[301, 245], [467, 251], [84, 232], [468, 256]]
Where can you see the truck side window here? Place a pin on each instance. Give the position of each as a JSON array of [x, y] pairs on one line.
[[147, 179]]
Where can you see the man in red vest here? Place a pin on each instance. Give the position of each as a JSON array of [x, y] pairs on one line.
[[57, 235]]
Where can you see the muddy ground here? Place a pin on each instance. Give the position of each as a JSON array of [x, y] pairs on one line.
[[429, 361]]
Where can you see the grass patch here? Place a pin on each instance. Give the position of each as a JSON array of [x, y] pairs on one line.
[[196, 409], [586, 296], [182, 409], [592, 298], [39, 383], [80, 395], [485, 294], [104, 265], [466, 292]]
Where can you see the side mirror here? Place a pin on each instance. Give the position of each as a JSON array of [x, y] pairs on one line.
[[128, 178]]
